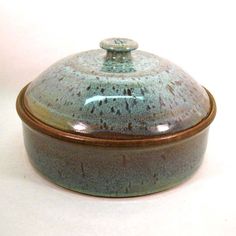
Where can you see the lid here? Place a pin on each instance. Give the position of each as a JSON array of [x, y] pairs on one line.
[[117, 91]]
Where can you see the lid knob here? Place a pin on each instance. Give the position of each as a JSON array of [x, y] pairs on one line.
[[119, 44], [118, 49]]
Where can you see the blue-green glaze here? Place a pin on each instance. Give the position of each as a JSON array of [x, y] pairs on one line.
[[114, 171], [117, 91]]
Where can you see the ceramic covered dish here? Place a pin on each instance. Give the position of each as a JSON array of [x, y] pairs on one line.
[[116, 121]]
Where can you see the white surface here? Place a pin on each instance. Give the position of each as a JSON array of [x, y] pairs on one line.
[[197, 35]]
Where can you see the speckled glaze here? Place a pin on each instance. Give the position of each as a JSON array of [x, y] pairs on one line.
[[115, 91], [112, 171], [115, 122]]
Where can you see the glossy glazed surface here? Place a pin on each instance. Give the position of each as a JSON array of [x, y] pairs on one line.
[[117, 93], [112, 171]]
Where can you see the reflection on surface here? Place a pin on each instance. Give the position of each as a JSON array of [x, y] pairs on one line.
[[98, 98], [80, 127], [162, 128]]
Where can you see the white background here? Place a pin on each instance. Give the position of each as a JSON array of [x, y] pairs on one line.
[[200, 36]]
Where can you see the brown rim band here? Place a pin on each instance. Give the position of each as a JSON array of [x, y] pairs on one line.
[[38, 125]]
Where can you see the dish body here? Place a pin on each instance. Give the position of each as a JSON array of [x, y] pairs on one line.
[[114, 168]]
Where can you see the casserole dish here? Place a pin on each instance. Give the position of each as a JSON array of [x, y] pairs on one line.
[[115, 122]]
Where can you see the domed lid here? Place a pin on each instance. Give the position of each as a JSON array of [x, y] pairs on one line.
[[117, 92]]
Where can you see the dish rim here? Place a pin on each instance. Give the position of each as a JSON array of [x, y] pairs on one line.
[[42, 127]]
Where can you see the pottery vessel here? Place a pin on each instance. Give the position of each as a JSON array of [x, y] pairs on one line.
[[115, 122]]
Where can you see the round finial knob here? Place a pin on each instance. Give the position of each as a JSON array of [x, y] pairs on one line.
[[119, 44]]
